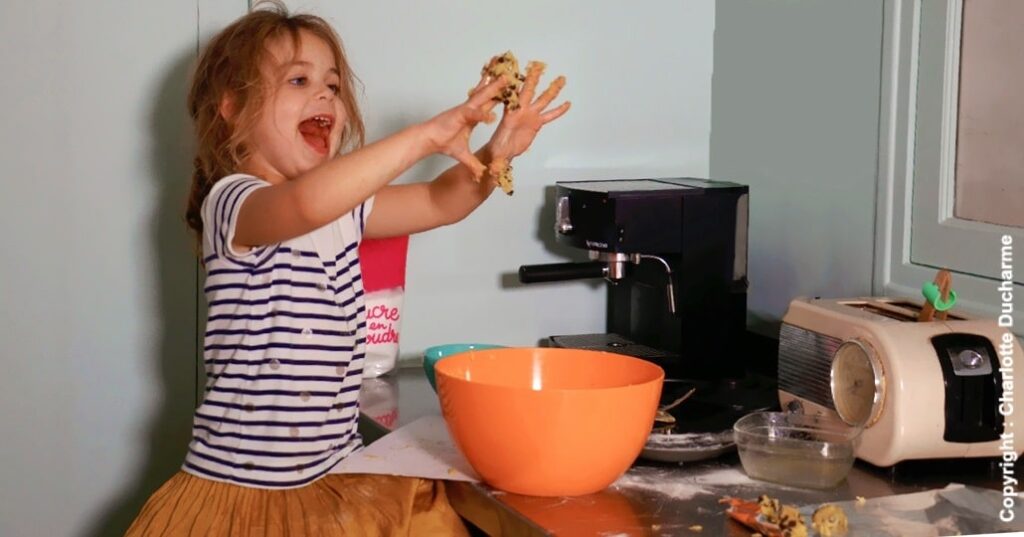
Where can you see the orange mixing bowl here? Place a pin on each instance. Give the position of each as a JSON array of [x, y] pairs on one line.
[[548, 421]]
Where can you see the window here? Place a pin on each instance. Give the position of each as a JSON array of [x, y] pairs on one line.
[[990, 115], [951, 170]]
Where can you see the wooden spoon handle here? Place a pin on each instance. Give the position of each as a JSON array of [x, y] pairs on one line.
[[944, 281], [679, 401]]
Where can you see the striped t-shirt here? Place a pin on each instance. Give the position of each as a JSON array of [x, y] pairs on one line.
[[284, 349]]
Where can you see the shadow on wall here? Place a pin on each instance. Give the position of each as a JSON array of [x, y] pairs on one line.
[[169, 428], [545, 234]]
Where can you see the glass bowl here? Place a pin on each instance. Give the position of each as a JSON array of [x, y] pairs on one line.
[[795, 449]]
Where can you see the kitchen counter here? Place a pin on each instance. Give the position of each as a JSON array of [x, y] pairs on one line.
[[652, 498]]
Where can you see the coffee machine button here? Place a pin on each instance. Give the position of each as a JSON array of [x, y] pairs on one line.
[[563, 219]]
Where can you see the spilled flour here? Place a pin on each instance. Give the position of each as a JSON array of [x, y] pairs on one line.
[[689, 440], [683, 486]]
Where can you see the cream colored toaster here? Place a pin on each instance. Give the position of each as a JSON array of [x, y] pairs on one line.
[[920, 390]]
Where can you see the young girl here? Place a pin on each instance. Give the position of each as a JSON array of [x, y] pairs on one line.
[[283, 192]]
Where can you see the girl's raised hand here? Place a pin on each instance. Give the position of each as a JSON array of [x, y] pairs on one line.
[[519, 127], [449, 131]]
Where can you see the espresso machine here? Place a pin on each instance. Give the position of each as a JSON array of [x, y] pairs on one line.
[[674, 254]]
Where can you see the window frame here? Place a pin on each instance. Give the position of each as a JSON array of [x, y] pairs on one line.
[[916, 230]]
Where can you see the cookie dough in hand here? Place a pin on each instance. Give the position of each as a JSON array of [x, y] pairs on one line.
[[501, 172], [506, 66]]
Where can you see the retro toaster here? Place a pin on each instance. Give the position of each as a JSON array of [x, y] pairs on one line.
[[919, 390]]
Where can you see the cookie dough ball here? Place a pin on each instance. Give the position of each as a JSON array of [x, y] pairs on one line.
[[505, 179], [770, 508], [829, 521], [507, 67], [791, 522]]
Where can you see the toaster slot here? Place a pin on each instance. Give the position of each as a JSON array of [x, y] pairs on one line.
[[973, 386], [914, 309], [900, 310], [890, 312]]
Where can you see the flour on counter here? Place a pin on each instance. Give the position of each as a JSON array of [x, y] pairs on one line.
[[677, 484], [726, 477]]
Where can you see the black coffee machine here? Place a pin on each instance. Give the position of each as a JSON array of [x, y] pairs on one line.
[[674, 252]]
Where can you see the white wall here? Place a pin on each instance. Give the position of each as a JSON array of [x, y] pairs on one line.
[[639, 79], [97, 280], [795, 116]]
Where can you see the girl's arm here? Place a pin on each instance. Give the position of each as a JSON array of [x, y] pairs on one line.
[[405, 209], [296, 207]]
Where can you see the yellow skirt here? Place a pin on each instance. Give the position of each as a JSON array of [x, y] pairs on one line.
[[337, 504]]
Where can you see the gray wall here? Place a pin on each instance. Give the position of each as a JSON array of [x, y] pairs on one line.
[[795, 97], [97, 279]]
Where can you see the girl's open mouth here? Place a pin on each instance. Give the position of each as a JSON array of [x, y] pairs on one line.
[[316, 131]]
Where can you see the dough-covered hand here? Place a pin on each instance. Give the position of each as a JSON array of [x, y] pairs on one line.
[[449, 131], [521, 122]]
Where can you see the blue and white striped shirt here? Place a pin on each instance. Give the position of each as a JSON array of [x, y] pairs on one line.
[[284, 348]]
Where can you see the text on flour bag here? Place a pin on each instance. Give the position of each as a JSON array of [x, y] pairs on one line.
[[383, 267]]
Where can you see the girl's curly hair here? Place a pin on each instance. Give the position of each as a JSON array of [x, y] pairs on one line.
[[232, 66]]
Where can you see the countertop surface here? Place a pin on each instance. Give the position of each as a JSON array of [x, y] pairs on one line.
[[651, 498]]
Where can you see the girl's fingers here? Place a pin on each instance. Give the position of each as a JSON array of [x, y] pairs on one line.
[[497, 166], [549, 94], [466, 157], [555, 113], [533, 72], [484, 80], [476, 115], [481, 97]]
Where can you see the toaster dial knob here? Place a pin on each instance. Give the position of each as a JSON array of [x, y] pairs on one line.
[[971, 359], [857, 383]]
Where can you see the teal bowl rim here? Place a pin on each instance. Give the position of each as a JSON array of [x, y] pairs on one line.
[[474, 346], [429, 361]]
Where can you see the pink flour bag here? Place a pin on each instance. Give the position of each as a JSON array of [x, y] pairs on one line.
[[383, 266]]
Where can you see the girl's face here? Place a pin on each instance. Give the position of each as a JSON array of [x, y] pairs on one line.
[[302, 119]]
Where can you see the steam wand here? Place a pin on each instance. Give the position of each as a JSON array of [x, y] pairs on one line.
[[608, 265], [668, 287]]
